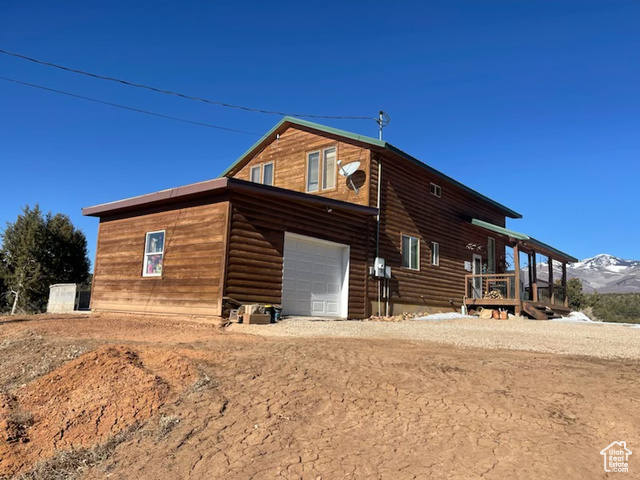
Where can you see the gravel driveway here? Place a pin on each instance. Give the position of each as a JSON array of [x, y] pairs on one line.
[[570, 338]]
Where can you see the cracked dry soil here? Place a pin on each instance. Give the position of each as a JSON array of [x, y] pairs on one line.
[[218, 405]]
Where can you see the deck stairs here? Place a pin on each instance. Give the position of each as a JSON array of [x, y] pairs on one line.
[[539, 311]]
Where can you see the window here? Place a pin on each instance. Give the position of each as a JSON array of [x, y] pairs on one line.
[[255, 173], [435, 190], [435, 253], [313, 165], [321, 168], [410, 252], [153, 254], [262, 173], [329, 168], [267, 174], [491, 255]]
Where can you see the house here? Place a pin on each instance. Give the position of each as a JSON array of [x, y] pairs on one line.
[[616, 457], [324, 222]]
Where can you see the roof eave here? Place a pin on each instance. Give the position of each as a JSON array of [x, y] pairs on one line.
[[371, 142], [162, 196], [218, 186], [509, 213], [524, 239], [285, 123]]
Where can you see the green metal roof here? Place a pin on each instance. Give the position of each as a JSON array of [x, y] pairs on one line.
[[304, 123], [523, 237], [500, 230], [368, 141]]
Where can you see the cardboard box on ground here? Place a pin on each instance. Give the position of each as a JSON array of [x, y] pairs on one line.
[[256, 314]]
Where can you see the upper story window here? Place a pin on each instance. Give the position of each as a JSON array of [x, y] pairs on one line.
[[153, 254], [267, 174], [262, 173], [329, 168], [321, 169], [435, 253], [435, 190], [410, 252]]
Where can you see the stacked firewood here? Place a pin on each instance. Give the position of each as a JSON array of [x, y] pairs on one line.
[[493, 295]]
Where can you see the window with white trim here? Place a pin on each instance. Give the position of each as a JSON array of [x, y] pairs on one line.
[[313, 172], [329, 168], [256, 173], [267, 173], [435, 190], [410, 252], [435, 253], [262, 173], [153, 254], [321, 169]]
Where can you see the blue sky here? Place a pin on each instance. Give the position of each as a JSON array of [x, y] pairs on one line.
[[533, 103]]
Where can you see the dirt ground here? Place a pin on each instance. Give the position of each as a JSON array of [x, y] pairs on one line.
[[186, 399]]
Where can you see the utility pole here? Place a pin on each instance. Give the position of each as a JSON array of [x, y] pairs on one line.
[[382, 121]]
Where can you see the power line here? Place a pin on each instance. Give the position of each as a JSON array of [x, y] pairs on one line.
[[124, 107], [182, 95]]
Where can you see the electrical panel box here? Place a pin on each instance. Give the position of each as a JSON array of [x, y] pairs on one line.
[[379, 267], [467, 266]]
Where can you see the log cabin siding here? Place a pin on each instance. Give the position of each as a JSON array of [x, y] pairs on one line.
[[195, 238], [256, 246], [408, 207], [289, 157]]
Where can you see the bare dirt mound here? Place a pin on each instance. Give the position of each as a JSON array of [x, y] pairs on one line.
[[86, 401]]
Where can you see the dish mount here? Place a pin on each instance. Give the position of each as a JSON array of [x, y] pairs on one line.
[[348, 170]]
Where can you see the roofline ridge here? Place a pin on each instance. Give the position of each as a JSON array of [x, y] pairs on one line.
[[370, 141]]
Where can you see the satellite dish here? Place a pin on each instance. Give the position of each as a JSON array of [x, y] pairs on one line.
[[348, 170]]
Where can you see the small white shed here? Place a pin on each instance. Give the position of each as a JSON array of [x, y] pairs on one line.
[[63, 298]]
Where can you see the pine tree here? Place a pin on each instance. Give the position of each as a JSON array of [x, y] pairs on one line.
[[37, 251], [577, 299]]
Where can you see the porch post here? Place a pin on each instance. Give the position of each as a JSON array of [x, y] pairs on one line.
[[530, 276], [564, 284], [534, 268], [516, 266], [552, 291]]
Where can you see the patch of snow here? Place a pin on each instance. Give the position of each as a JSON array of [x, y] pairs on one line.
[[579, 317], [574, 317], [443, 316], [616, 268]]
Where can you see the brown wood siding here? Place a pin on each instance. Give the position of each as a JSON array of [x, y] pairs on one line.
[[408, 208], [192, 267], [289, 157], [256, 246]]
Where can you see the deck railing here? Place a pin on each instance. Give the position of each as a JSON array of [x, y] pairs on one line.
[[491, 285], [502, 287], [544, 294]]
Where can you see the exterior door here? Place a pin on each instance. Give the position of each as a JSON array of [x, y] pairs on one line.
[[477, 281], [314, 277]]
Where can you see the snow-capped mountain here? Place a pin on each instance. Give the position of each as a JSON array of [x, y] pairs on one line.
[[606, 262], [604, 273]]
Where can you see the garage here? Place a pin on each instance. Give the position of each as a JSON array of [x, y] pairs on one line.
[[315, 281]]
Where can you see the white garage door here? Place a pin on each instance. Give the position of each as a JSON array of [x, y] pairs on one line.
[[315, 280]]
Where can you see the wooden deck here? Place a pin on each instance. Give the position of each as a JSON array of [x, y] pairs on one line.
[[496, 291]]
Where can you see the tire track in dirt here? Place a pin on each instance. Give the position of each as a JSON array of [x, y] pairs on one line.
[[334, 409], [266, 408]]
